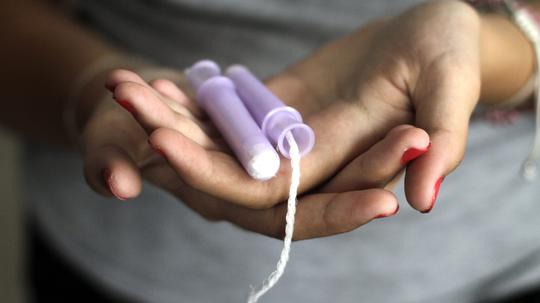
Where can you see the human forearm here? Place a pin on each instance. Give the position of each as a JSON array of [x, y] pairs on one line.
[[507, 59], [44, 53]]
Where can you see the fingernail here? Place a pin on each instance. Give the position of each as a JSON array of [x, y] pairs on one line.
[[157, 149], [435, 194], [127, 106], [413, 153], [388, 215], [107, 177]]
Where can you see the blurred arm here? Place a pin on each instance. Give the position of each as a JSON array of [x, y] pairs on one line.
[[507, 58], [42, 52]]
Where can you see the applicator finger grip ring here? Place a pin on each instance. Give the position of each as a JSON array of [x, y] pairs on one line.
[[275, 118]]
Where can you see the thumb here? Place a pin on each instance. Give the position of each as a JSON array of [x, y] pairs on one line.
[[443, 108], [111, 143]]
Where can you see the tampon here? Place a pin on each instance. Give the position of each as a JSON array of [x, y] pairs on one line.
[[275, 118], [218, 98]]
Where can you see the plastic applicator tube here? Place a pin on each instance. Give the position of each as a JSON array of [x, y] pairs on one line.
[[275, 118], [218, 97]]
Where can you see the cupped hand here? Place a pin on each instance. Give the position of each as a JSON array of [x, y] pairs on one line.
[[421, 67], [117, 156], [353, 92]]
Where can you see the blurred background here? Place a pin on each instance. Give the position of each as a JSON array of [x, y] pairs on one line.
[[11, 243]]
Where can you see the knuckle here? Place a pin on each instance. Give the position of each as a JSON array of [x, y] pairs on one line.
[[379, 177], [399, 129], [413, 133], [130, 89], [121, 75], [458, 72], [159, 135], [377, 173], [115, 77], [161, 83], [335, 225], [184, 123]]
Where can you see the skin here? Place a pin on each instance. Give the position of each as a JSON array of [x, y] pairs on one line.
[[320, 213], [433, 82], [33, 98], [426, 67]]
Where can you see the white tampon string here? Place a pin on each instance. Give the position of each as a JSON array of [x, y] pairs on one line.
[[289, 226]]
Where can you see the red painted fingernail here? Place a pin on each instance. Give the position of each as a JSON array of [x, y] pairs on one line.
[[413, 153], [388, 215], [107, 177], [157, 149], [435, 194], [127, 106]]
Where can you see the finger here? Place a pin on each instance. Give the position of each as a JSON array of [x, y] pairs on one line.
[[382, 162], [344, 129], [127, 85], [141, 101], [443, 109], [318, 215], [152, 113], [118, 76], [183, 104], [109, 170], [216, 173], [172, 96], [170, 90], [109, 164], [163, 86]]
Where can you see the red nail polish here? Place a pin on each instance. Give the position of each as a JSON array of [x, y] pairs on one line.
[[157, 149], [413, 153], [127, 106], [388, 215], [396, 211], [107, 177], [435, 194]]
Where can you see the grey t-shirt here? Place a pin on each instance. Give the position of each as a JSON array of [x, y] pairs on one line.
[[481, 241]]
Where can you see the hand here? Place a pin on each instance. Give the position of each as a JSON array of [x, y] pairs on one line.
[[421, 67], [362, 86], [116, 144]]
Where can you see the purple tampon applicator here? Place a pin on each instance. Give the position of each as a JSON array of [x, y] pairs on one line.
[[218, 97], [275, 118], [283, 126]]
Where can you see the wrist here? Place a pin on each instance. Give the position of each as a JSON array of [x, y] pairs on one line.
[[506, 59]]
